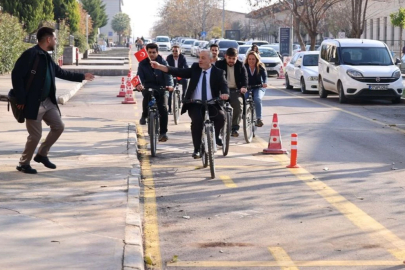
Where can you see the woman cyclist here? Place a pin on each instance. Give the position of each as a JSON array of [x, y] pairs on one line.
[[257, 75]]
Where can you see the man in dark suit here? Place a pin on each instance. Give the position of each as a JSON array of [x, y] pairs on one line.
[[199, 88], [178, 60], [237, 78]]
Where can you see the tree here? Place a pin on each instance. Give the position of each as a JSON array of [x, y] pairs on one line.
[[359, 11], [69, 11], [30, 12], [121, 23], [398, 19], [82, 21], [99, 18]]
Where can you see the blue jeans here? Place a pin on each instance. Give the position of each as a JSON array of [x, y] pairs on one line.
[[258, 94]]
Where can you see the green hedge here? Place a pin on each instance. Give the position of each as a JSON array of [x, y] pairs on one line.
[[80, 42], [11, 42]]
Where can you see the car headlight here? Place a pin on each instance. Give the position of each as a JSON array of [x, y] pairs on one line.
[[312, 78], [397, 74], [354, 73]]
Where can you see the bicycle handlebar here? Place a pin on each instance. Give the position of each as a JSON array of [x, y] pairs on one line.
[[255, 86], [199, 101]]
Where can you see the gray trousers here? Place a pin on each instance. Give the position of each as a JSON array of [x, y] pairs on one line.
[[50, 114], [236, 102]]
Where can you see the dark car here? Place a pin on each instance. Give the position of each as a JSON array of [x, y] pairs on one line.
[[225, 44]]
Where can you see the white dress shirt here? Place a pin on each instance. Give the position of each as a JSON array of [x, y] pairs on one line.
[[198, 91], [176, 62]]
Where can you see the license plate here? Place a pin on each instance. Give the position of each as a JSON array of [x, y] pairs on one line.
[[377, 87], [270, 68]]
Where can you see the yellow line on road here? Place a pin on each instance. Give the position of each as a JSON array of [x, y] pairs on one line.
[[345, 111], [383, 236], [280, 255], [216, 166], [228, 181], [151, 228], [284, 264]]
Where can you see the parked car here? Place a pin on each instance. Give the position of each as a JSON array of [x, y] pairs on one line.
[[270, 59], [256, 42], [194, 47], [402, 64], [163, 43], [203, 46], [302, 72], [242, 50], [225, 44], [186, 45], [358, 68], [240, 42], [147, 41]]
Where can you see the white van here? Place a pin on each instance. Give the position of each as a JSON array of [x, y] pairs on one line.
[[163, 43], [358, 68]]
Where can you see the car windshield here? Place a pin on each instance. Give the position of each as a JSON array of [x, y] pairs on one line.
[[374, 56], [228, 44], [162, 39], [243, 50], [311, 60], [189, 42], [267, 52]]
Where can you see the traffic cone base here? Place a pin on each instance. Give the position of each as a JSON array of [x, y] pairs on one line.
[[274, 146], [295, 166]]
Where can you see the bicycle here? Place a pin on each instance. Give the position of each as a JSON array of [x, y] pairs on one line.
[[249, 115], [176, 102], [153, 121], [226, 130], [208, 146]]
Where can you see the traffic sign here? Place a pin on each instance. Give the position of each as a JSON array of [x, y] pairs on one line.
[[203, 34]]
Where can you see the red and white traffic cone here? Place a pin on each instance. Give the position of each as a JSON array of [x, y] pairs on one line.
[[129, 95], [122, 91], [274, 146], [281, 73], [294, 151]]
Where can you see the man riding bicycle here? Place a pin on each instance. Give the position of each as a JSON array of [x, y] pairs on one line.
[[152, 78], [206, 81], [214, 49], [237, 78]]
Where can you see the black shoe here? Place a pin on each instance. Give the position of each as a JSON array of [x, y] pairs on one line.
[[26, 169], [45, 161], [234, 133], [142, 121], [163, 137], [219, 141], [259, 123], [196, 154]]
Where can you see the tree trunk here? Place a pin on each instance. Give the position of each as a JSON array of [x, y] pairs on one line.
[[400, 41]]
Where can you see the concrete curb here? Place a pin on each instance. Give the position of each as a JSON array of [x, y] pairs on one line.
[[62, 99], [133, 249]]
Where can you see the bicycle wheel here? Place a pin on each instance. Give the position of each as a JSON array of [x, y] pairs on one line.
[[226, 132], [248, 123], [204, 156], [152, 133], [176, 107], [210, 152]]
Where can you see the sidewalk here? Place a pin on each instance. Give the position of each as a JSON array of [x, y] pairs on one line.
[[85, 214]]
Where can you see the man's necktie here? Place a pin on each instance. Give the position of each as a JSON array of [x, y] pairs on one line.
[[204, 87]]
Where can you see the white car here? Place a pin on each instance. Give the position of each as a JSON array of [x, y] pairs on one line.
[[186, 45], [164, 43], [270, 59], [242, 50], [302, 72], [203, 45], [193, 51]]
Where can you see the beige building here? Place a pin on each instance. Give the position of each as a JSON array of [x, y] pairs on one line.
[[112, 7]]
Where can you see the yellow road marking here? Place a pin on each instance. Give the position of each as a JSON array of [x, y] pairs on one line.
[[357, 216], [342, 110], [235, 264], [218, 166], [228, 181], [280, 255], [151, 228]]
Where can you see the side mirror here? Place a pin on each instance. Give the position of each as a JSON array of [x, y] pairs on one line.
[[334, 61], [397, 61]]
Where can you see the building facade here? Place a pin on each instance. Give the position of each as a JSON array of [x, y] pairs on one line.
[[112, 7]]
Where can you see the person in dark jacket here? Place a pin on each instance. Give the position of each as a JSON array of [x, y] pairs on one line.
[[156, 79], [39, 101], [206, 82], [236, 76], [178, 60], [256, 75]]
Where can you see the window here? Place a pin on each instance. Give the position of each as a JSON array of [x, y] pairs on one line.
[[358, 56], [324, 54], [392, 35], [378, 28], [311, 60], [365, 30], [371, 29], [385, 29]]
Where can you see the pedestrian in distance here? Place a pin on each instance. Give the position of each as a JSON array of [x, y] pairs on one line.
[[214, 48], [255, 48], [257, 74], [155, 79], [39, 101], [206, 82], [237, 78]]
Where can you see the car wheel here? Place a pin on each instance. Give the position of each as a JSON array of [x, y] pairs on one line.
[[396, 100], [321, 89], [342, 96], [303, 87], [287, 83]]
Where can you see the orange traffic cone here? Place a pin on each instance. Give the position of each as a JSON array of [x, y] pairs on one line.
[[122, 92], [281, 73], [129, 96], [274, 146]]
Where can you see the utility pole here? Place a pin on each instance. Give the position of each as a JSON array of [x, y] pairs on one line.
[[204, 18], [223, 18]]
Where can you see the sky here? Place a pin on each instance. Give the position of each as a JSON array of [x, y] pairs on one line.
[[143, 13]]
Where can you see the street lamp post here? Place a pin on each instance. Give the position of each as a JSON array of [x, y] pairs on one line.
[[223, 17], [87, 28]]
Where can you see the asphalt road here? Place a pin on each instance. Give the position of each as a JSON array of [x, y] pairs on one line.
[[343, 209]]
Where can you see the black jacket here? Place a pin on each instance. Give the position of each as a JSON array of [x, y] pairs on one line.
[[153, 78], [241, 77], [218, 82], [182, 63], [21, 73], [257, 77]]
